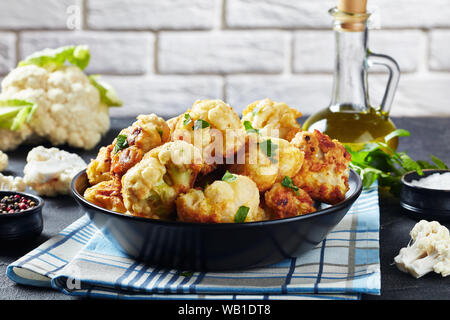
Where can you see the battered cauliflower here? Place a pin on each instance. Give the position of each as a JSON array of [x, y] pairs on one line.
[[325, 171], [284, 202], [272, 118], [106, 194], [71, 107], [234, 200], [149, 189], [3, 161], [267, 161], [50, 171], [10, 183], [98, 169], [212, 126]]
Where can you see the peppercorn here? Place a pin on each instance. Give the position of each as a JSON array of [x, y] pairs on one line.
[[15, 203]]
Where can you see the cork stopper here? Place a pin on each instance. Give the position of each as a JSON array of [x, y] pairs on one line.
[[351, 15]]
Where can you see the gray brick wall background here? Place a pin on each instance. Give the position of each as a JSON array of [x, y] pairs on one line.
[[162, 55]]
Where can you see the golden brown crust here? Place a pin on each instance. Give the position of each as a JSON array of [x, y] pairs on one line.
[[98, 169], [106, 194]]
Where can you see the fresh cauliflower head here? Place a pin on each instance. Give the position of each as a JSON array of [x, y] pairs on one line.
[[273, 118], [49, 171], [150, 188], [325, 170], [429, 250], [267, 160], [106, 194], [3, 161], [283, 202], [10, 183], [212, 126], [233, 200]]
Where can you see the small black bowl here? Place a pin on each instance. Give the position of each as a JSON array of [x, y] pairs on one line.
[[23, 225], [424, 203], [222, 246]]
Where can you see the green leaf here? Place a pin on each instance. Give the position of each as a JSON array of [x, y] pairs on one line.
[[269, 148], [200, 124], [426, 165], [288, 183], [397, 133], [228, 177], [186, 274], [187, 119], [241, 214], [107, 93], [249, 128], [54, 58], [15, 112], [121, 143], [440, 164]]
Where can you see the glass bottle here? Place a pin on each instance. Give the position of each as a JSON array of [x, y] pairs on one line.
[[350, 117]]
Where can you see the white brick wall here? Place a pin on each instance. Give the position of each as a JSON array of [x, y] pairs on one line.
[[163, 55]]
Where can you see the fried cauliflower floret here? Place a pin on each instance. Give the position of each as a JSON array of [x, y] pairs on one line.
[[98, 169], [49, 171], [273, 118], [149, 189], [10, 183], [220, 202], [148, 132], [325, 170], [214, 127], [267, 161], [283, 202], [3, 161], [106, 194]]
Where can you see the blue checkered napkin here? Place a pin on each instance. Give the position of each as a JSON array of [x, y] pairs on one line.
[[81, 261]]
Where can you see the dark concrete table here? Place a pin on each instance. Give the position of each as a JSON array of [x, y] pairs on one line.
[[428, 135]]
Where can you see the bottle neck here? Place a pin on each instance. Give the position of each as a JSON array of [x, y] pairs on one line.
[[350, 77]]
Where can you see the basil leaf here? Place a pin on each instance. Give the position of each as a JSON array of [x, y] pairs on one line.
[[269, 148], [228, 177], [121, 143], [241, 214], [107, 93], [249, 128], [288, 183], [53, 58], [200, 124], [187, 119]]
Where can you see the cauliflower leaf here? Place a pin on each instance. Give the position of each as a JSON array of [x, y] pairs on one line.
[[108, 94], [54, 58], [15, 112]]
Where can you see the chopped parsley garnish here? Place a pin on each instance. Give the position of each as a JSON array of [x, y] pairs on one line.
[[121, 143], [288, 183], [269, 148], [241, 214], [249, 128], [228, 177], [160, 132], [200, 124], [187, 119]]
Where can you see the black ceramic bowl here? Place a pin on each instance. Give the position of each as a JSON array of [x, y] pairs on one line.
[[424, 203], [226, 246], [23, 225]]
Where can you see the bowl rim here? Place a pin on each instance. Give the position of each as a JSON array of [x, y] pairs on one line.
[[325, 211], [38, 207], [423, 189]]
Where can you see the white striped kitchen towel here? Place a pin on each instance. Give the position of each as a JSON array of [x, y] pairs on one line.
[[80, 261]]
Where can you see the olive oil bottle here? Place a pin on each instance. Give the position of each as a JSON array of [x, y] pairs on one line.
[[350, 118]]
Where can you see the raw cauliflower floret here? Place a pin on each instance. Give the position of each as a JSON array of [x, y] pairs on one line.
[[282, 202], [149, 189], [49, 171], [273, 118], [3, 161], [69, 109], [325, 171], [10, 183], [429, 250], [212, 126], [267, 160], [220, 202]]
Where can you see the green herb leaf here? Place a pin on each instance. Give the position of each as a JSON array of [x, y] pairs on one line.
[[200, 124], [228, 177], [187, 119], [397, 133], [241, 214], [440, 164], [249, 128], [121, 143], [107, 93], [288, 183], [269, 148], [54, 58]]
